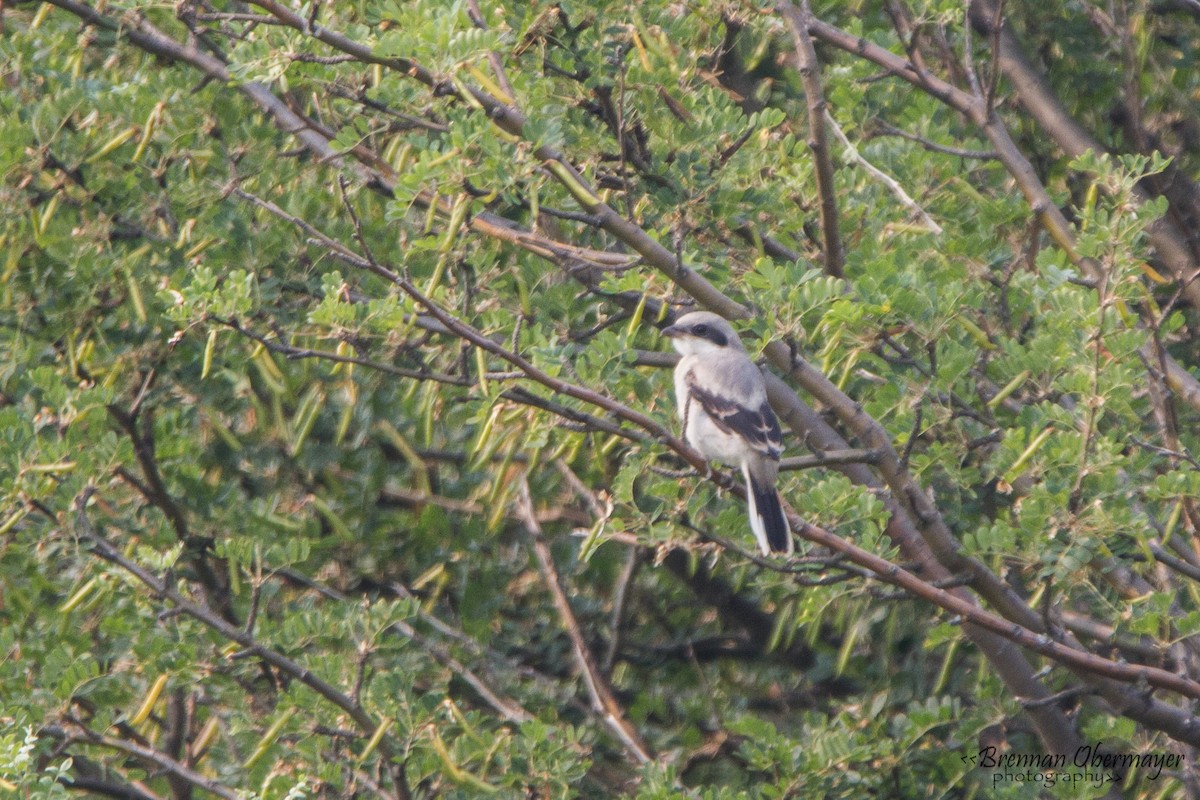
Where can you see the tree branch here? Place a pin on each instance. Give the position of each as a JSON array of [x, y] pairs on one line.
[[603, 698], [887, 180], [156, 759], [798, 19]]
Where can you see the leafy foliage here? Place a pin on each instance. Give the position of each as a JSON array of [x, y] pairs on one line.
[[269, 520]]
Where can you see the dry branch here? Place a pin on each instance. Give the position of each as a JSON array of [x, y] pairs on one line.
[[798, 19], [603, 699]]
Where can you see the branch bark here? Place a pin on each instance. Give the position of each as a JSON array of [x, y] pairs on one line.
[[603, 699], [159, 761], [798, 19]]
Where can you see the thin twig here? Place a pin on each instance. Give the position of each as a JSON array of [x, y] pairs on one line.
[[276, 346], [1057, 697], [633, 557], [1166, 451], [994, 41], [603, 698], [829, 457], [887, 180], [157, 759], [309, 58], [581, 420], [492, 656], [258, 19], [968, 57], [891, 130], [798, 567], [799, 19], [510, 709]]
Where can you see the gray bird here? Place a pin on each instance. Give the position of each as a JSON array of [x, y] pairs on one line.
[[725, 414]]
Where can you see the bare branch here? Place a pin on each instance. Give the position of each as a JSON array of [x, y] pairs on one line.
[[1086, 662], [633, 557], [1177, 564], [891, 130], [603, 698], [829, 458], [157, 759], [887, 180], [798, 19], [276, 346]]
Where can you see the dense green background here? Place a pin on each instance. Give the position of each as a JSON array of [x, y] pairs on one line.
[[177, 398]]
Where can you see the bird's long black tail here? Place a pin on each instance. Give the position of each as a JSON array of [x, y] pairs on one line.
[[767, 520]]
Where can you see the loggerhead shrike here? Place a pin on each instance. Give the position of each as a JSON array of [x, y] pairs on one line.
[[723, 406]]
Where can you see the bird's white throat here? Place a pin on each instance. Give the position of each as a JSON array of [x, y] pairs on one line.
[[694, 346]]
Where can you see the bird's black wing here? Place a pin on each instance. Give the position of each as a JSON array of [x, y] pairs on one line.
[[758, 426]]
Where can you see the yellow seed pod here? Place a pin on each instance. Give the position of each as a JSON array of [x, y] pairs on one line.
[[148, 702], [113, 143]]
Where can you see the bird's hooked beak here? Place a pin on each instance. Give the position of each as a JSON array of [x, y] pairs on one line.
[[671, 331]]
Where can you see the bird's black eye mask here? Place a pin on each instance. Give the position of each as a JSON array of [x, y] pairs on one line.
[[702, 331]]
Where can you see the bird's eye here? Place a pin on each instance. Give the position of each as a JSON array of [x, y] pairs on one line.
[[700, 330]]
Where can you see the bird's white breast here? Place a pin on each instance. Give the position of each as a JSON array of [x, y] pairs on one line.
[[699, 430]]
